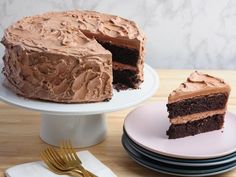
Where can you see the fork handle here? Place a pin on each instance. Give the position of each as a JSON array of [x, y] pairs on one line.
[[91, 174], [86, 172], [76, 173]]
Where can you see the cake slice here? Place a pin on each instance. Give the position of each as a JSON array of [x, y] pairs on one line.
[[197, 105]]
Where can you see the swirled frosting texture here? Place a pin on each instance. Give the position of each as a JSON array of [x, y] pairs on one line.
[[47, 58], [198, 84]]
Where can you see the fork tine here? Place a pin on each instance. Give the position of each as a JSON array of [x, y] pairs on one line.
[[73, 152], [56, 157], [50, 166], [48, 156], [73, 156], [65, 151], [64, 155], [54, 161], [69, 150], [53, 167], [58, 166]]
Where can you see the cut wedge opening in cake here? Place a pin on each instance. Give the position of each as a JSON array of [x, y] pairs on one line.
[[122, 54], [125, 61], [124, 40], [197, 106]]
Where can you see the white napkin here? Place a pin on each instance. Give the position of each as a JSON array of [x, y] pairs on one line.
[[39, 169]]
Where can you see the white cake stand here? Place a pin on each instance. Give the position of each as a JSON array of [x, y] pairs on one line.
[[83, 124]]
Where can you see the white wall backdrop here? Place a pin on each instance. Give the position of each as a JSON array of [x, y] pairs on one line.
[[197, 34]]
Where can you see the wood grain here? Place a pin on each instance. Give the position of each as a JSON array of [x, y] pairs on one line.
[[20, 142]]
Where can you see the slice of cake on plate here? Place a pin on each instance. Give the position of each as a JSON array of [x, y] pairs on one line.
[[197, 105]]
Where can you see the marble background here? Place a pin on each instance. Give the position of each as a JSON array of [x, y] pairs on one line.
[[197, 34]]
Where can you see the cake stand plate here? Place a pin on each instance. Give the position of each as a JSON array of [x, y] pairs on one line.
[[84, 124]]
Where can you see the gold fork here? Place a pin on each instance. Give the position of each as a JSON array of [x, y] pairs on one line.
[[60, 161], [67, 152], [58, 168]]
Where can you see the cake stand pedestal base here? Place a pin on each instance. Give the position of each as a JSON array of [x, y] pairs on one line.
[[81, 130]]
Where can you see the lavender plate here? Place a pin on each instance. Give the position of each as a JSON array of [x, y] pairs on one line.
[[147, 125]]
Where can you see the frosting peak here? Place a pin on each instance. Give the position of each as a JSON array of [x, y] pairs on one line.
[[197, 77], [198, 84]]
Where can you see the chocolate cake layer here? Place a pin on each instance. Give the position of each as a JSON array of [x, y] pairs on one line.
[[197, 104], [123, 79], [122, 54], [200, 126]]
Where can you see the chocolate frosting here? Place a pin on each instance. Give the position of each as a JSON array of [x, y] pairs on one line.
[[51, 33], [47, 58], [198, 84], [34, 31]]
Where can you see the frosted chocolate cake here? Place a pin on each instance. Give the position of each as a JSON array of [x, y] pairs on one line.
[[197, 106], [72, 56]]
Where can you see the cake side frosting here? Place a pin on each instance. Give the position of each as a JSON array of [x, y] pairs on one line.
[[56, 77], [198, 84]]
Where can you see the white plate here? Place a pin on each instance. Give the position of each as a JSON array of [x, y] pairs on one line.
[[147, 126], [120, 100]]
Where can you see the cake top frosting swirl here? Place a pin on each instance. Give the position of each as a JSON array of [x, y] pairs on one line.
[[198, 84], [65, 32]]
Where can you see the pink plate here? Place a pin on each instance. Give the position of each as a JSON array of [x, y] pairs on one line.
[[147, 127]]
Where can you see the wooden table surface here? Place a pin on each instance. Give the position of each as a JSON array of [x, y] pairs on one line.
[[20, 142]]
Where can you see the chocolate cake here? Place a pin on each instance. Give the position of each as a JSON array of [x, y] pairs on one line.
[[197, 106], [72, 56]]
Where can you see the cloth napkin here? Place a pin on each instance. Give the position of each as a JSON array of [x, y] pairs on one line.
[[39, 169]]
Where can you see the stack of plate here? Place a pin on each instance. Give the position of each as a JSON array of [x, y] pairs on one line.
[[205, 154]]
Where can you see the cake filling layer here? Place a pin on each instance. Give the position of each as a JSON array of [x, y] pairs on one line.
[[123, 79], [194, 117], [197, 105], [122, 54], [210, 123], [120, 66]]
